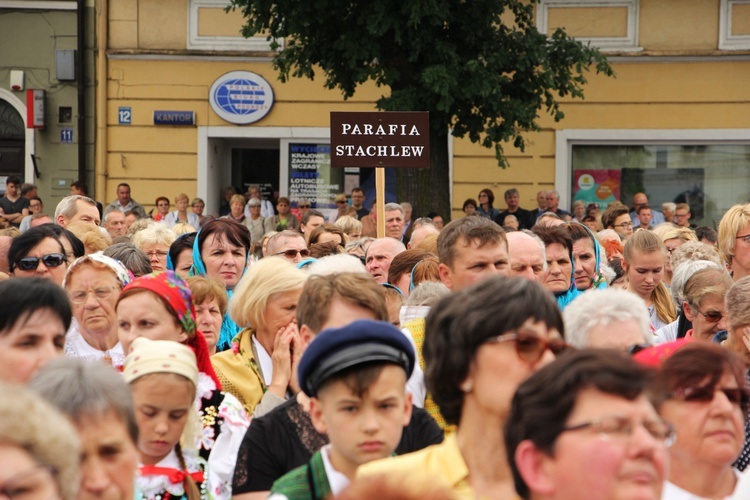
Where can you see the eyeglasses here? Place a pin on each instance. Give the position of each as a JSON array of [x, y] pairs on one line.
[[341, 203], [620, 427], [680, 215], [531, 348], [158, 254], [711, 316], [303, 206], [745, 238], [50, 260], [736, 396], [624, 225], [101, 293], [290, 254]]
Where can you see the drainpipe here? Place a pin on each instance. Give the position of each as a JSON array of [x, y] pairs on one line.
[[80, 77], [100, 165]]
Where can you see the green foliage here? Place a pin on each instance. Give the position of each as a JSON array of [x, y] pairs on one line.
[[482, 78]]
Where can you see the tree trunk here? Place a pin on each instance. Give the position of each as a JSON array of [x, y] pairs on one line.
[[428, 189]]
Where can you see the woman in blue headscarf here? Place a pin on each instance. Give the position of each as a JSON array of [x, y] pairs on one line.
[[590, 269], [560, 278], [221, 251]]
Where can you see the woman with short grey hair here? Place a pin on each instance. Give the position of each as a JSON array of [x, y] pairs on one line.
[[98, 402]]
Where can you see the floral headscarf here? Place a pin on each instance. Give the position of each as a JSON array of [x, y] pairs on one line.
[[121, 273]]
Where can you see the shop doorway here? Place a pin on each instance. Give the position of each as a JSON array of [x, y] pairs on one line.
[[256, 166]]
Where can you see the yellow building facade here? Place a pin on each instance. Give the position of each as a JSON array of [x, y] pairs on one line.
[[675, 121]]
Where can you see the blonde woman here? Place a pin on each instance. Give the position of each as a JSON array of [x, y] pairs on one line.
[[673, 238], [182, 201], [261, 367], [734, 240], [644, 262], [155, 241]]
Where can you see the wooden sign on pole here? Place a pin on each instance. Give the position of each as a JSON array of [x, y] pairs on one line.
[[380, 139]]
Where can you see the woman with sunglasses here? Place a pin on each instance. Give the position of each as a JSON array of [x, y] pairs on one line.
[[39, 253], [220, 251], [480, 344], [93, 284], [261, 367], [700, 390], [703, 303]]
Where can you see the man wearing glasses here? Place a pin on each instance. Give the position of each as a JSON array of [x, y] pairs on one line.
[[682, 216], [358, 202], [618, 218], [584, 424], [289, 244]]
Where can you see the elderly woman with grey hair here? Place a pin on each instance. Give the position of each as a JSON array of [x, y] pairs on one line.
[[36, 446], [611, 318], [97, 401], [155, 241]]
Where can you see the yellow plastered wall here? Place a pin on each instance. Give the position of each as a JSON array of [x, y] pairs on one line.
[[679, 25], [647, 94], [589, 22]]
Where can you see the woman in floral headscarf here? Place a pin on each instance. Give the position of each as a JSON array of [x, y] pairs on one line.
[[591, 271], [159, 306], [93, 284]]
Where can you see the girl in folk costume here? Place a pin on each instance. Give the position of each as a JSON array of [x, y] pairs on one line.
[[159, 307], [163, 377]]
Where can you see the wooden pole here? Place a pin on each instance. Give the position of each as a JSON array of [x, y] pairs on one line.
[[380, 198]]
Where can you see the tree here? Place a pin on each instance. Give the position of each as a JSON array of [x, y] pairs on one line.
[[479, 67]]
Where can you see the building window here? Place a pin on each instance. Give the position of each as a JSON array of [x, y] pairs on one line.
[[710, 177], [610, 25], [734, 27], [210, 27]]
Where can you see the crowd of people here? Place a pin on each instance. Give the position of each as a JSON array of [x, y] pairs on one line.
[[280, 351]]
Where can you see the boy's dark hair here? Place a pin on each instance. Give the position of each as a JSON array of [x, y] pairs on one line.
[[706, 233], [463, 321], [358, 378], [82, 187], [543, 403]]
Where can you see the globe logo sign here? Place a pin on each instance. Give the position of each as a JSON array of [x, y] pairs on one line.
[[241, 97]]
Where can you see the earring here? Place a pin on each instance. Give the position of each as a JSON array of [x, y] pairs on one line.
[[466, 387]]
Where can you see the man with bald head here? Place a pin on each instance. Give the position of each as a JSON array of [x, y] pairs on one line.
[[289, 244], [527, 255], [420, 233], [379, 255], [640, 200]]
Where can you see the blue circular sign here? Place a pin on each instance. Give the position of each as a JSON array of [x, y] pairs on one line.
[[241, 97]]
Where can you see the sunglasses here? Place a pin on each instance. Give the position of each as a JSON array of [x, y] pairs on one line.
[[290, 254], [531, 348], [737, 396], [711, 316], [303, 206], [50, 260]]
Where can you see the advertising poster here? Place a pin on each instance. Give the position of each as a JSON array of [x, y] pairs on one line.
[[312, 178], [596, 186]]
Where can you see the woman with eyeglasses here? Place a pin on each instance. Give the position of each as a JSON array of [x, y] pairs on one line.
[[34, 318], [93, 284], [703, 303], [734, 240], [644, 262], [480, 344], [700, 389], [261, 367], [39, 253], [155, 241], [221, 251]]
